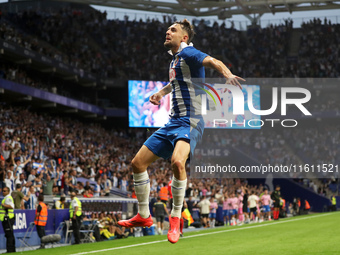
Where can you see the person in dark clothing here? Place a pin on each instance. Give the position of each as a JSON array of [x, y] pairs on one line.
[[276, 197], [245, 205], [159, 211], [191, 204]]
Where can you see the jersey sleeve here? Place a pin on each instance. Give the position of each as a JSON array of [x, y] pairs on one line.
[[193, 57]]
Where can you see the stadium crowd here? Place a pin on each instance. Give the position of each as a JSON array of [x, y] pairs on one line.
[[319, 50], [36, 148], [86, 39], [286, 147], [50, 153], [46, 82]]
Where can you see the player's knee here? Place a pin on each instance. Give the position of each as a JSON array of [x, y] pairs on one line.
[[177, 165], [137, 165]]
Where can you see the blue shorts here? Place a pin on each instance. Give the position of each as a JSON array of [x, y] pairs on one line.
[[232, 212], [225, 213], [212, 215], [266, 208], [163, 141]]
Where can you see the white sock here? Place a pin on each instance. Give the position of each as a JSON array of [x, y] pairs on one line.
[[178, 191], [142, 189]]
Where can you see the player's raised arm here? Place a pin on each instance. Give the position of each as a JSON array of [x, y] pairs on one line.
[[156, 98], [221, 68]]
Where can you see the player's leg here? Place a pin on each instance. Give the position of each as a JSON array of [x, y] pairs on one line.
[[231, 217], [212, 220], [257, 215], [246, 213], [251, 214], [181, 226], [179, 182], [277, 213], [268, 214], [236, 221], [140, 162], [204, 221], [162, 226], [158, 225], [241, 215], [178, 186], [228, 217]]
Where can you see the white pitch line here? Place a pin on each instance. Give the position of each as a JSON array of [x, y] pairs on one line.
[[204, 234]]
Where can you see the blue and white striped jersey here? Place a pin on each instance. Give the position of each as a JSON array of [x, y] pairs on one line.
[[185, 66]]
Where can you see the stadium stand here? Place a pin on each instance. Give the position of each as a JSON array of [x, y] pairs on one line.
[[261, 52]]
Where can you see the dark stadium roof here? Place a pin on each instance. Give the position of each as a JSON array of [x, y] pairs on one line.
[[222, 8]]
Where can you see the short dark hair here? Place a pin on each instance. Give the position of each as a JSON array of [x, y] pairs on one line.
[[18, 186], [186, 26], [62, 199], [41, 197]]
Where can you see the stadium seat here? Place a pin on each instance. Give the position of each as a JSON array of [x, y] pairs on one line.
[[24, 239], [68, 230], [59, 230], [87, 229]]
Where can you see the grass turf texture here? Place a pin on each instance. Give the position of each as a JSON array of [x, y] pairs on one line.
[[311, 234]]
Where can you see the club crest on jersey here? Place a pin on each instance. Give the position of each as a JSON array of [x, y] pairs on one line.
[[172, 74]]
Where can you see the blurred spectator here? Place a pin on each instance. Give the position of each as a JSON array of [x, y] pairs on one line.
[[9, 181], [31, 203], [97, 189], [204, 206], [19, 198], [48, 185], [106, 185], [60, 204], [2, 172]]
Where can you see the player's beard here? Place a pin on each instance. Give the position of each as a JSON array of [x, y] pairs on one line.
[[168, 45]]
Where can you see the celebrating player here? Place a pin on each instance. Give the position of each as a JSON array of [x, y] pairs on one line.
[[179, 137]]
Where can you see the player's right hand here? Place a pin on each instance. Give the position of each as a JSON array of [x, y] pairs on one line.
[[155, 99]]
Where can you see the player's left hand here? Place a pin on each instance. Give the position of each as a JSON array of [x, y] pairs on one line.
[[234, 80]]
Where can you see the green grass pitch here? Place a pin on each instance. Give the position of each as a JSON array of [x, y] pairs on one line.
[[317, 234]]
